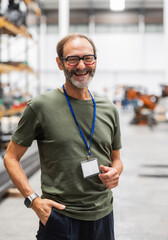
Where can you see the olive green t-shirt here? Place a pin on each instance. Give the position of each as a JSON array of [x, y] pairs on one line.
[[48, 119]]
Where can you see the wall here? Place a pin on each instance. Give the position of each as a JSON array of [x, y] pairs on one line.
[[128, 52], [123, 59]]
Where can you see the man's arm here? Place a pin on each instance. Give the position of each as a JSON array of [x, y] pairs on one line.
[[116, 161], [110, 175], [12, 157]]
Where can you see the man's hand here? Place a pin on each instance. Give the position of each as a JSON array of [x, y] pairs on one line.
[[43, 208], [109, 177]]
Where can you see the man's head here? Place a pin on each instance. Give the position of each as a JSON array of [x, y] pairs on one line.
[[77, 58]]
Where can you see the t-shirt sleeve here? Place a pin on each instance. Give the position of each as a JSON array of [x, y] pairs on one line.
[[28, 128], [117, 134]]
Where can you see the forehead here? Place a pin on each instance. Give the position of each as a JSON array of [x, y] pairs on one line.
[[77, 46]]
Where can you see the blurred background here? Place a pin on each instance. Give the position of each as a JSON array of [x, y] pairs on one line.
[[131, 37]]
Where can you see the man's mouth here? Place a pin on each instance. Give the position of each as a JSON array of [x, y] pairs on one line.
[[81, 73]]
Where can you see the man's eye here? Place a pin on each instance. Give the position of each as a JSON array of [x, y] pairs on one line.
[[72, 59], [88, 58]]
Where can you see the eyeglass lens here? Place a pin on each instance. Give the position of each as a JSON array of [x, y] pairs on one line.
[[73, 60]]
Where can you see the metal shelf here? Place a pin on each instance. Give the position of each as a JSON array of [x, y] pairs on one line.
[[11, 29], [19, 67], [33, 6], [11, 112]]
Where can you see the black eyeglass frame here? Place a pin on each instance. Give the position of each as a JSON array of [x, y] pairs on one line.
[[80, 58]]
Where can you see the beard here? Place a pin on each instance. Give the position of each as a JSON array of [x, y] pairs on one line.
[[81, 82]]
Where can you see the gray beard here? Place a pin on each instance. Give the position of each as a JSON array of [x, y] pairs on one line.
[[80, 83]]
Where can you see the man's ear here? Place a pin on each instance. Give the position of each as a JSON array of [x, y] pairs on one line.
[[60, 64]]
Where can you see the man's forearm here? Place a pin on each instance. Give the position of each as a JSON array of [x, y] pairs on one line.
[[117, 164], [18, 176], [116, 161], [12, 158]]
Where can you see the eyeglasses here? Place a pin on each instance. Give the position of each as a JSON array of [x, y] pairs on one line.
[[74, 60]]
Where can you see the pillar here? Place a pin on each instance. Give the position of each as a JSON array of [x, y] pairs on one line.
[[165, 25], [63, 17]]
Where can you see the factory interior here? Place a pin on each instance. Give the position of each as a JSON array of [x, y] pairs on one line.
[[131, 38]]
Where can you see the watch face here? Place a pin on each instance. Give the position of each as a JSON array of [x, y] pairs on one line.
[[27, 202]]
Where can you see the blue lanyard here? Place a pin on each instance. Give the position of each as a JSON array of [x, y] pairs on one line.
[[93, 124]]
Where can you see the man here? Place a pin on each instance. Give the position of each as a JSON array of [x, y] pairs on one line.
[[78, 137]]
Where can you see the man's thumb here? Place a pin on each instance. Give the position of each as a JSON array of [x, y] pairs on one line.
[[104, 169]]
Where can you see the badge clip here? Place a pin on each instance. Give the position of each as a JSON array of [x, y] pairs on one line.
[[89, 156]]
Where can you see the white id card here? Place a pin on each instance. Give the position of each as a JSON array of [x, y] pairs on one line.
[[90, 168]]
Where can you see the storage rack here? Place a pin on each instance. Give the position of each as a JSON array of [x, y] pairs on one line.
[[10, 29]]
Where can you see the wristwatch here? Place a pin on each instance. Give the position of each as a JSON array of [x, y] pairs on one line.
[[29, 200]]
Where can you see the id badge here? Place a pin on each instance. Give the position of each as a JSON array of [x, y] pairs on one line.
[[90, 168]]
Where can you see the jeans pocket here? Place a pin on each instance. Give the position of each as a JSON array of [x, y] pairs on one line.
[[42, 228], [49, 219]]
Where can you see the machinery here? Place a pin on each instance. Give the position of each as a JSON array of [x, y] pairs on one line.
[[148, 109], [143, 106]]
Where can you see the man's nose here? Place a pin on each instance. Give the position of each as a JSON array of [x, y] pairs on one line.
[[81, 64]]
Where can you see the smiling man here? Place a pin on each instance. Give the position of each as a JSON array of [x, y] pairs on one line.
[[78, 136], [78, 72]]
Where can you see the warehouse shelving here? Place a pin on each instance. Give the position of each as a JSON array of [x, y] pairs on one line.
[[11, 29], [6, 67], [11, 112], [13, 66], [34, 7]]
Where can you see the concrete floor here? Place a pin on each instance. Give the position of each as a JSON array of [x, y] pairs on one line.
[[140, 200]]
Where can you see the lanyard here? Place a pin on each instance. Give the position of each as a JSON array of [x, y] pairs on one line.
[[93, 124]]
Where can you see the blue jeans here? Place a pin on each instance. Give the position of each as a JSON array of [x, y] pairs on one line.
[[60, 227]]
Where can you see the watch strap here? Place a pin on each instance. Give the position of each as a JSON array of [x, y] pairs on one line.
[[29, 199]]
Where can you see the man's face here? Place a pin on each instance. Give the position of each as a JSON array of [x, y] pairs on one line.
[[80, 75]]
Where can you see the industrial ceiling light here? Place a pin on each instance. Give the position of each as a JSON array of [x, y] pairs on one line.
[[117, 5]]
